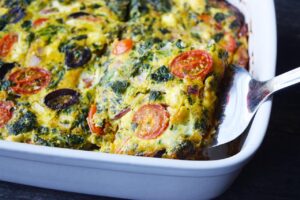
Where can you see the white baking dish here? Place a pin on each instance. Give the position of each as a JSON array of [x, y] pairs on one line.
[[150, 178]]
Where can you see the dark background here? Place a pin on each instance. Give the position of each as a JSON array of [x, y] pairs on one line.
[[274, 173]]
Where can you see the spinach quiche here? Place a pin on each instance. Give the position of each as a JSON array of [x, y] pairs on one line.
[[136, 77]]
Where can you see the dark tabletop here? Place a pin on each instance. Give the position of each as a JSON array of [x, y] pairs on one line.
[[274, 172]]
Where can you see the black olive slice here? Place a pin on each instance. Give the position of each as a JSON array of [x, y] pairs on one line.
[[78, 14], [16, 14], [77, 57], [4, 68], [61, 99]]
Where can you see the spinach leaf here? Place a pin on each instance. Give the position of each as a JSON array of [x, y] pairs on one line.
[[219, 17], [49, 31], [162, 75], [26, 122], [218, 36], [4, 84], [161, 5], [119, 87], [120, 8], [26, 25], [30, 37], [3, 23], [155, 95], [58, 75]]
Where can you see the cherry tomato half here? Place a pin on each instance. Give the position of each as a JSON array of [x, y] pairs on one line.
[[152, 120], [6, 113], [122, 47], [192, 64], [39, 22], [6, 43], [29, 80], [94, 129]]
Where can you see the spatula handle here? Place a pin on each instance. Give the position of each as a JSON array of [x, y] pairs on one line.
[[285, 80]]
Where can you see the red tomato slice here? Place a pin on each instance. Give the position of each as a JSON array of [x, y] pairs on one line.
[[122, 47], [192, 64], [29, 80], [39, 21], [94, 129], [152, 120], [6, 113], [6, 43]]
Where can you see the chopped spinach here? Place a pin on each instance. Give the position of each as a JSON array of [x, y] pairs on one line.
[[155, 95], [3, 23], [138, 8], [147, 45], [180, 44], [95, 6], [72, 139], [81, 120], [119, 87], [43, 130], [219, 17], [139, 66], [222, 54], [120, 8], [4, 85], [218, 36], [65, 46], [30, 37], [59, 74], [80, 37], [40, 141], [235, 24], [99, 49], [59, 20], [65, 2], [201, 125], [26, 25], [161, 5], [49, 31], [162, 75], [60, 140], [164, 30], [196, 35], [184, 149], [25, 123], [190, 100]]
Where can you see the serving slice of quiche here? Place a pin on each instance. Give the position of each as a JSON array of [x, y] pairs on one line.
[[136, 77]]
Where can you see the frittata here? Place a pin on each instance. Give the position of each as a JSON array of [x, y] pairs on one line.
[[136, 77]]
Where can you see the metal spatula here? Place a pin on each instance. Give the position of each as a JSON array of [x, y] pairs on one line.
[[243, 96]]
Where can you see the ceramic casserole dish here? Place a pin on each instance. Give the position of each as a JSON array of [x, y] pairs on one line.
[[151, 178]]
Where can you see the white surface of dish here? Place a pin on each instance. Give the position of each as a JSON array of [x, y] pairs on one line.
[[150, 178]]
